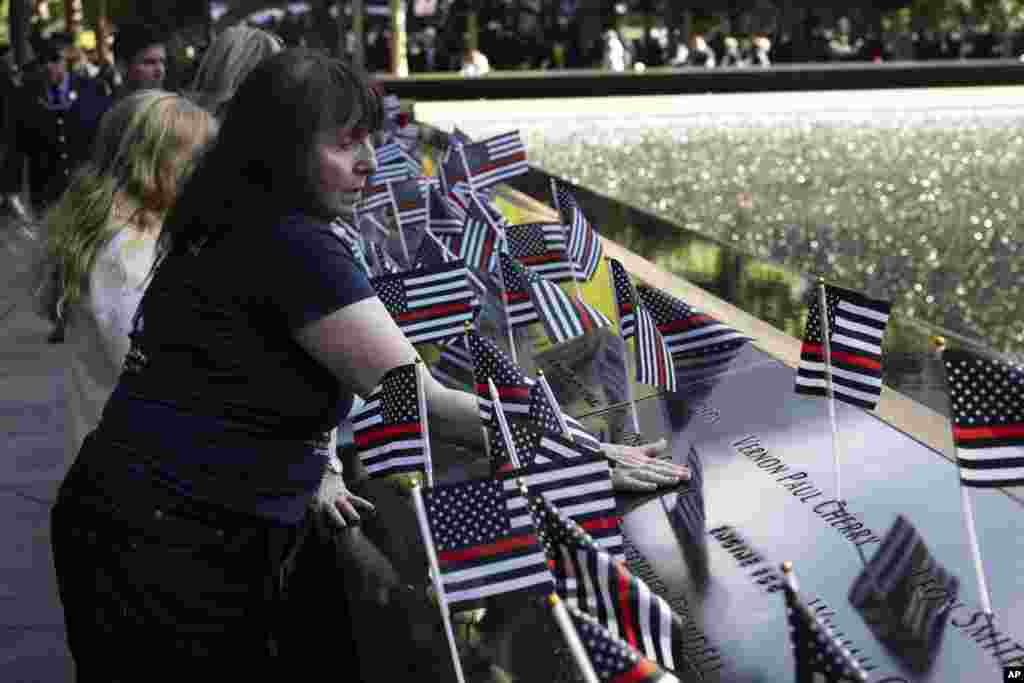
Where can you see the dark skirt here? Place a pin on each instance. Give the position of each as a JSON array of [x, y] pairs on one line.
[[156, 586]]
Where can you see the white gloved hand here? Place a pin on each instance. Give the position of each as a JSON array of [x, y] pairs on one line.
[[337, 504], [637, 470]]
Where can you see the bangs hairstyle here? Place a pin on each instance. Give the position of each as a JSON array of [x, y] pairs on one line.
[[260, 168]]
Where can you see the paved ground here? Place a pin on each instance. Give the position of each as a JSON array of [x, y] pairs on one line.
[[31, 465]]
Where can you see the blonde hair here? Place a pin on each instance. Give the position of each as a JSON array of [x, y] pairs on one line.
[[226, 63], [143, 151]]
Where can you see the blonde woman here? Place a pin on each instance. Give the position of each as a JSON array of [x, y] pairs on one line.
[[226, 63], [102, 236]]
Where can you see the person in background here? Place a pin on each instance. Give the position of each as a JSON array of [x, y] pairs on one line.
[[614, 57], [760, 51], [226, 63], [731, 54], [141, 54], [474, 63], [102, 236], [701, 54]]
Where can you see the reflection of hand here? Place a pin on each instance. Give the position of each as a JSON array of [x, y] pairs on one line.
[[637, 470], [337, 504]]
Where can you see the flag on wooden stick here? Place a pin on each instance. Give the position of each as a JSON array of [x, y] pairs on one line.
[[585, 248], [856, 325]]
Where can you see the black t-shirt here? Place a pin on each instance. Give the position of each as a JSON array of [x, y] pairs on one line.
[[216, 394]]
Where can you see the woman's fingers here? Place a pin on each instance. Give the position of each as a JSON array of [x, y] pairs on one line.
[[343, 504]]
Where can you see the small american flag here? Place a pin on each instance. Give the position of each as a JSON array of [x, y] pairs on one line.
[[480, 551], [433, 251], [429, 304], [987, 400], [597, 583], [585, 248], [541, 246], [518, 302], [409, 202], [613, 659], [856, 327], [491, 363], [389, 429], [590, 318], [376, 192], [491, 161], [653, 361], [700, 345], [625, 301], [817, 650], [567, 474], [556, 309]]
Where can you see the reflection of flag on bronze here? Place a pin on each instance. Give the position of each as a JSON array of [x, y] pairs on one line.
[[889, 590], [568, 475], [593, 581], [817, 650], [541, 247], [409, 202], [653, 361], [492, 161], [479, 551], [521, 310], [689, 510], [699, 344], [389, 431], [585, 248], [987, 401], [429, 303], [624, 299], [856, 327], [613, 659]]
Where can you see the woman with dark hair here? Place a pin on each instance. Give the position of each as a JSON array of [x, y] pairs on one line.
[[175, 533]]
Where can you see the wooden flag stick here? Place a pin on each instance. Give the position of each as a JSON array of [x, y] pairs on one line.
[[629, 374], [572, 638], [435, 577], [421, 397], [398, 225], [967, 508], [830, 394], [499, 415]]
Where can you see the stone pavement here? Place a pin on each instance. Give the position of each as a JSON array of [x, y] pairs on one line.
[[32, 463]]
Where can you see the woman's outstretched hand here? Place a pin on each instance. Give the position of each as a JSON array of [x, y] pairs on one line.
[[638, 470], [337, 504]]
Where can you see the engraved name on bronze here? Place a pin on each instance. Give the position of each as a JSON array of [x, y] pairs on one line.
[[799, 484]]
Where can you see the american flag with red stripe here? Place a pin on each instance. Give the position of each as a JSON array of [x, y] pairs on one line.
[[541, 246], [518, 302], [429, 304], [590, 318], [571, 476], [491, 161], [390, 429], [700, 345], [613, 659], [433, 251], [653, 361], [625, 300], [481, 547], [585, 248], [491, 363], [595, 582], [554, 307], [987, 405], [376, 192], [856, 326]]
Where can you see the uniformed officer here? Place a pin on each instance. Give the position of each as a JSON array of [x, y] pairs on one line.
[[54, 119]]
